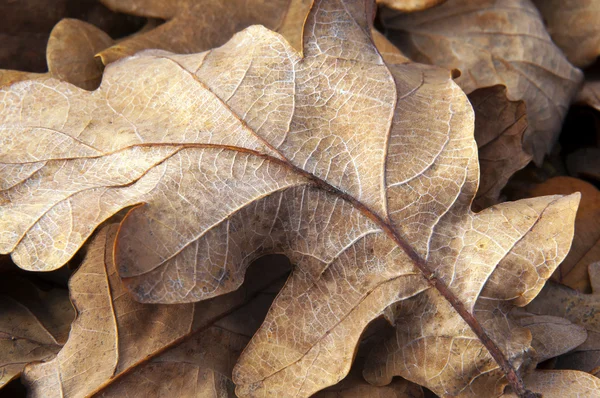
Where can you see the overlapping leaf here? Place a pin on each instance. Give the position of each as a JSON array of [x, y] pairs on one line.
[[583, 309], [118, 345], [499, 128], [573, 25], [33, 324], [70, 55], [492, 43], [573, 271], [362, 174], [192, 26]]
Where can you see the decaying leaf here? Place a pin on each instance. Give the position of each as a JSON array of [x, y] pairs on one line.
[[410, 5], [564, 384], [70, 56], [495, 42], [579, 308], [192, 26], [573, 271], [361, 173], [573, 25], [33, 324], [499, 128], [114, 335]]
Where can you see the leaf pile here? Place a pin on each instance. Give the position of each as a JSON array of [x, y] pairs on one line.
[[178, 160]]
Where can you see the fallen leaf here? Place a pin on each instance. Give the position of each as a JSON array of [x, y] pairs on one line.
[[579, 308], [26, 24], [70, 54], [192, 26], [116, 342], [494, 43], [362, 174], [33, 324], [585, 249], [499, 128], [563, 384], [574, 28], [410, 5]]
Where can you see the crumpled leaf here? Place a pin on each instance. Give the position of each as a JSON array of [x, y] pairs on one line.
[[564, 384], [579, 308], [410, 5], [192, 26], [573, 25], [362, 174], [70, 55], [499, 128], [552, 335], [492, 43], [116, 342], [33, 324], [573, 271]]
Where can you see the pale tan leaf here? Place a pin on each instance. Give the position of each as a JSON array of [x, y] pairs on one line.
[[562, 383], [114, 335], [492, 43], [552, 335], [499, 128], [33, 324], [585, 249], [192, 26], [361, 173], [70, 55], [573, 25]]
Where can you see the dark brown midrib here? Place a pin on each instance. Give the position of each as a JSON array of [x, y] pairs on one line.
[[512, 376]]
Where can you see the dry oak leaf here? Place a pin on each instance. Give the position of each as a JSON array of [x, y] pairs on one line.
[[116, 342], [573, 271], [362, 174], [562, 383], [192, 26], [495, 42], [499, 128], [409, 5], [70, 55], [579, 308], [574, 27], [34, 324]]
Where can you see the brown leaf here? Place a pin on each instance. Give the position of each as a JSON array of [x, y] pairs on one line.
[[586, 242], [573, 25], [192, 26], [495, 43], [361, 173], [563, 384], [70, 54], [33, 324], [115, 341], [499, 128], [579, 308]]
